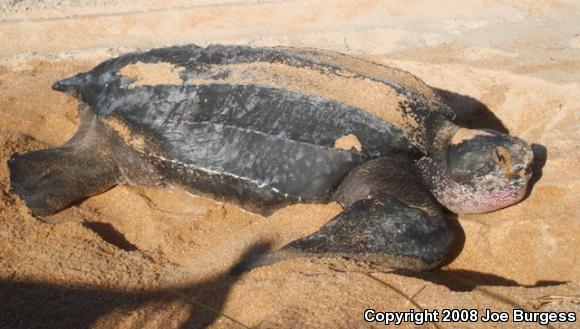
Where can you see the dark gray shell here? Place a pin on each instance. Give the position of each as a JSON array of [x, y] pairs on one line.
[[240, 127]]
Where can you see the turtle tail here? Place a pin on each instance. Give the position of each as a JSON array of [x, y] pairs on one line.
[[70, 85]]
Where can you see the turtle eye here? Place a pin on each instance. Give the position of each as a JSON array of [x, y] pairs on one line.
[[502, 157], [497, 156]]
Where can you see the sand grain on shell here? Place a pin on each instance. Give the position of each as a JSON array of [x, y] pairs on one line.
[[382, 101], [348, 142], [137, 142], [464, 134], [151, 74]]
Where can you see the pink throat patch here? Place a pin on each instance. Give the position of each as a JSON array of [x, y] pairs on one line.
[[474, 202]]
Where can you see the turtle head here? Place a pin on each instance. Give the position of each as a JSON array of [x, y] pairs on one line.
[[488, 170]]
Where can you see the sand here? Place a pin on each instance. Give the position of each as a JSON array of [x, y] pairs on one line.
[[143, 257]]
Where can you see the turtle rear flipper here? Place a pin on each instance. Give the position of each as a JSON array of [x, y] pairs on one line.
[[388, 221], [52, 179]]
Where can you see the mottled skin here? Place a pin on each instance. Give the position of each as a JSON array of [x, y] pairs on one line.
[[270, 144]]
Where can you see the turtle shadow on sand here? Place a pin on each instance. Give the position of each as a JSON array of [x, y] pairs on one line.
[[470, 112], [540, 158], [473, 114], [29, 304]]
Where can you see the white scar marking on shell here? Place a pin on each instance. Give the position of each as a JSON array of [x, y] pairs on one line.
[[218, 173]]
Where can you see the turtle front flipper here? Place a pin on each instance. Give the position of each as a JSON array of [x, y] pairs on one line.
[[389, 219]]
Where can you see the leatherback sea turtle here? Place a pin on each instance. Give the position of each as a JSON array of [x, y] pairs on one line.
[[269, 127]]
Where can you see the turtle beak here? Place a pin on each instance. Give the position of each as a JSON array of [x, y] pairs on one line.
[[522, 170]]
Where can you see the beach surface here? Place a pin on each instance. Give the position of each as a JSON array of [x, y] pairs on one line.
[[137, 257]]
